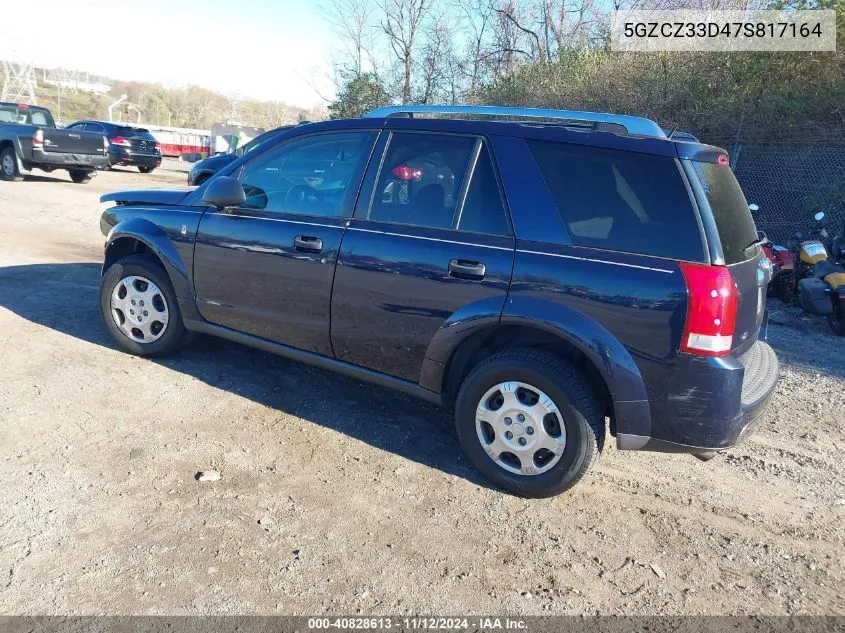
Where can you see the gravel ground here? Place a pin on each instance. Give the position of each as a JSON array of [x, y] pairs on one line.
[[335, 496]]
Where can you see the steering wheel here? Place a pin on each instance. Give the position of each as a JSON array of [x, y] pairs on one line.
[[303, 195]]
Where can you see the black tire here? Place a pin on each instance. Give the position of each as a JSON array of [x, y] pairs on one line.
[[836, 321], [80, 176], [9, 165], [201, 179], [174, 336], [565, 385], [145, 169]]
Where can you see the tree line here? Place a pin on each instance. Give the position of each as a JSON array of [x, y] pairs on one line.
[[556, 53], [153, 103]]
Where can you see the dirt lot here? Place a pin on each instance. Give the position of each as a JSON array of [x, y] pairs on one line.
[[340, 497]]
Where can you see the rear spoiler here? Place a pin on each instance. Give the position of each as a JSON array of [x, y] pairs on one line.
[[702, 153]]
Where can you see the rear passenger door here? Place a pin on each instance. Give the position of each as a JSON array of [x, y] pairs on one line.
[[430, 237]]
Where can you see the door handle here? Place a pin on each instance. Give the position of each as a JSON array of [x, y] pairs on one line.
[[308, 244], [464, 269]]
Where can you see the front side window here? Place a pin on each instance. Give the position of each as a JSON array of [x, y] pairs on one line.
[[314, 175], [621, 200], [421, 179]]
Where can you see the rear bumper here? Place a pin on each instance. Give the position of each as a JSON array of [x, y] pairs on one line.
[[66, 160], [131, 158], [712, 403]]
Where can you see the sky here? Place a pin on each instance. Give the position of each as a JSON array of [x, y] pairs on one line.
[[265, 49]]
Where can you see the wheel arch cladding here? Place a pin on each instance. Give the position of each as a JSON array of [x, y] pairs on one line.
[[532, 322], [137, 235]]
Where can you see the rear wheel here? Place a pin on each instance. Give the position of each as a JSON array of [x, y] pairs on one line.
[[80, 176], [529, 422], [145, 169], [139, 307], [9, 165]]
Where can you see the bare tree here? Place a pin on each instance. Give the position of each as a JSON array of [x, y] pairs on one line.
[[513, 30], [436, 56], [475, 20], [277, 113], [401, 24], [353, 22]]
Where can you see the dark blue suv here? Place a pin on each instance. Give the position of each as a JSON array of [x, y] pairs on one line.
[[552, 277]]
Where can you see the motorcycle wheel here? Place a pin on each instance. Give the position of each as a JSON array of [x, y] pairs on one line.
[[836, 321], [779, 288]]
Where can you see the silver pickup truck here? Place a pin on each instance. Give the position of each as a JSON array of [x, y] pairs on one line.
[[29, 139]]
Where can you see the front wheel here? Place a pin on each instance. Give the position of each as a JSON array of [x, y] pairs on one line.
[[144, 169], [529, 422], [139, 307], [9, 165], [80, 176]]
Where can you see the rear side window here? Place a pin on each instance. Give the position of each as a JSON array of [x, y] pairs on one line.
[[736, 227], [421, 179], [621, 201], [483, 211]]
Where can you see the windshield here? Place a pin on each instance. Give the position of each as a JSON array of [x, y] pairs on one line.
[[24, 115], [730, 210]]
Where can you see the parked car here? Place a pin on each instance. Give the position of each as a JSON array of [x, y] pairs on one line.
[[538, 279], [29, 139], [204, 169], [128, 144]]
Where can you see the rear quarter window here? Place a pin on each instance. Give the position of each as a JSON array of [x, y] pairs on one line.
[[621, 201], [727, 203]]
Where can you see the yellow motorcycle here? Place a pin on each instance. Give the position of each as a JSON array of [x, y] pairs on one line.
[[818, 277]]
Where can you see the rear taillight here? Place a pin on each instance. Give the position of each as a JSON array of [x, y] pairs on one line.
[[121, 141], [711, 310], [158, 147], [38, 139], [105, 145]]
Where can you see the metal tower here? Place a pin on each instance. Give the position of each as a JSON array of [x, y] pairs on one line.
[[19, 82]]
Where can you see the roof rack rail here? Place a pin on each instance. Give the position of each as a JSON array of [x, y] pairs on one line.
[[633, 124]]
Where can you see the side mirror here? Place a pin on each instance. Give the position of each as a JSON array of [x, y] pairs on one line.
[[819, 216], [222, 192], [754, 208]]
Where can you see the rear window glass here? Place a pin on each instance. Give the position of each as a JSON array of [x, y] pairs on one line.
[[621, 201], [730, 210], [133, 132], [25, 116]]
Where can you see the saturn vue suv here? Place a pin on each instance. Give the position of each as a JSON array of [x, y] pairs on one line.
[[551, 276]]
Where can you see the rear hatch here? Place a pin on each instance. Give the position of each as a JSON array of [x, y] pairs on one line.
[[72, 141], [140, 141], [721, 195]]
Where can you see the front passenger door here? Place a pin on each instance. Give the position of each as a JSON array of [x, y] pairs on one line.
[[266, 268]]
